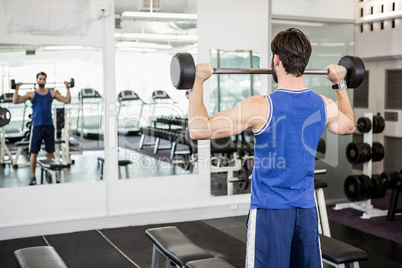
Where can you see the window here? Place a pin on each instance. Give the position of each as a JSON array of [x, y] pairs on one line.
[[227, 90], [393, 89], [393, 148]]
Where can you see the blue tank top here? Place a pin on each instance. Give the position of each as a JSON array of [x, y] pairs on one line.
[[285, 148], [42, 109]]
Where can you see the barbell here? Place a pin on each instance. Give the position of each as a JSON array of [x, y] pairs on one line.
[[71, 83], [182, 70]]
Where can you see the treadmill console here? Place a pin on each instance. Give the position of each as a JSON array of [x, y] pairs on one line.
[[6, 98], [127, 95], [89, 93], [160, 94]]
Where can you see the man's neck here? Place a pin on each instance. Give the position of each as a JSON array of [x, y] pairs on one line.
[[41, 89], [291, 82]]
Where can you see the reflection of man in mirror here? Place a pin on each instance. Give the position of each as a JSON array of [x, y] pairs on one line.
[[282, 227], [42, 122]]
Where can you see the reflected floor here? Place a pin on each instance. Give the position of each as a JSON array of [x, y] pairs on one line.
[[86, 168]]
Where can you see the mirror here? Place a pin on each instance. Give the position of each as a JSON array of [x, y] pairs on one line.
[[152, 114], [232, 157], [75, 146]]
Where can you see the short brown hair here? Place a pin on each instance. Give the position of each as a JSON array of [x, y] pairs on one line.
[[294, 49], [41, 73]]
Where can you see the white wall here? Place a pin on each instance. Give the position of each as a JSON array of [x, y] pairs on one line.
[[314, 10]]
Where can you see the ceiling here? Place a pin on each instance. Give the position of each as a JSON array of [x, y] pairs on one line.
[[155, 33], [166, 6]]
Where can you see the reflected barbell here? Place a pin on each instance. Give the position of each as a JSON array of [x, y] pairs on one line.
[[182, 70], [71, 83]]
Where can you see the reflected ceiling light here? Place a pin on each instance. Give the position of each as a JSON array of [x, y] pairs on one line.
[[142, 45], [136, 49], [156, 16], [63, 48], [158, 37], [380, 17], [298, 23]]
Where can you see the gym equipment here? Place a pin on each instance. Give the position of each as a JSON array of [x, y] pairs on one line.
[[14, 130], [51, 168], [71, 83], [90, 121], [5, 116], [125, 99], [361, 152], [339, 254], [182, 70], [361, 187], [175, 246], [39, 256], [363, 124], [396, 188]]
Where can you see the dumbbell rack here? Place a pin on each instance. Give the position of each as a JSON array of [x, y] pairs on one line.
[[365, 206]]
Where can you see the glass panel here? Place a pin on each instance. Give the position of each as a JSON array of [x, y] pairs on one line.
[[228, 89], [60, 63], [230, 169], [152, 114]]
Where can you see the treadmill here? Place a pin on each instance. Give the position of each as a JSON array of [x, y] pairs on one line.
[[90, 118], [130, 123]]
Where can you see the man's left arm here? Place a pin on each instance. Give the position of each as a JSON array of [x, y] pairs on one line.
[[64, 99]]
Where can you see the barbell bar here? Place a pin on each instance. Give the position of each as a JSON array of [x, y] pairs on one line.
[[71, 83], [182, 70]]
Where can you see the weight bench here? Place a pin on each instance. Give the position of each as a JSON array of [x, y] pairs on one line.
[[392, 210], [122, 163], [338, 253], [179, 250], [51, 167], [321, 206], [39, 257], [209, 263]]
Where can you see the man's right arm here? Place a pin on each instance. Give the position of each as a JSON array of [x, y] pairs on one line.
[[340, 118], [20, 99]]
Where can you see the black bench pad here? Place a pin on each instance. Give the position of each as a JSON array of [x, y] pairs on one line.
[[209, 263], [51, 164], [175, 245], [39, 257], [339, 252]]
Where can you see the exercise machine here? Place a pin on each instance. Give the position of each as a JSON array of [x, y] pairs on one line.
[[130, 123], [89, 121], [15, 130]]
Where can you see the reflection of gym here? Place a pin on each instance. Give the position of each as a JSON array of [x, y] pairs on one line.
[[189, 133]]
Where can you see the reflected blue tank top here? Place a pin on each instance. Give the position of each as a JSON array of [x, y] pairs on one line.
[[42, 109], [285, 148]]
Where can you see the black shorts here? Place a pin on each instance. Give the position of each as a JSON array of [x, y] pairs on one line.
[[39, 133]]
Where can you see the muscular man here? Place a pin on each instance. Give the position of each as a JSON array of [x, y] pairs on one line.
[[282, 228], [42, 122]]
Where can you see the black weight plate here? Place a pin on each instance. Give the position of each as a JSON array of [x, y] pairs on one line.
[[367, 153], [378, 191], [367, 187], [353, 188], [353, 153], [182, 70], [355, 70], [378, 124], [378, 152], [363, 124]]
